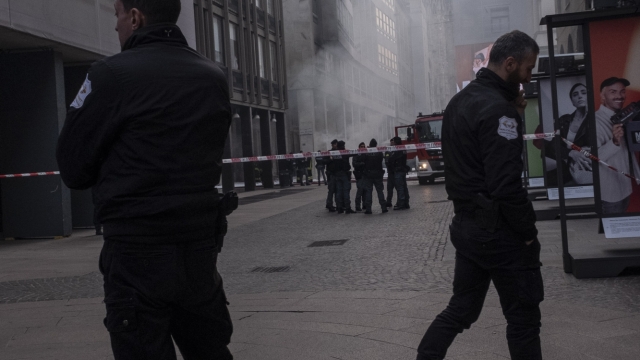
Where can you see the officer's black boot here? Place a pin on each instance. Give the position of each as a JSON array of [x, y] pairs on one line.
[[340, 211], [368, 211], [358, 208], [385, 210], [331, 208], [349, 211]]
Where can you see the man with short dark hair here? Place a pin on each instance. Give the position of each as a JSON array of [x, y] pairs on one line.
[[493, 229], [398, 162], [358, 169], [612, 148], [331, 187], [341, 171], [147, 131], [391, 184], [372, 177]]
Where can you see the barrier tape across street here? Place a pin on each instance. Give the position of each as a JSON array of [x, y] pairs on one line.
[[30, 174], [435, 145]]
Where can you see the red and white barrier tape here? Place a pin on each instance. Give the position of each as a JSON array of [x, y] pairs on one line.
[[30, 174], [420, 146], [435, 145], [596, 159]]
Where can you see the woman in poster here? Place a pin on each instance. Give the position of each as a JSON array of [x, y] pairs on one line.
[[575, 128]]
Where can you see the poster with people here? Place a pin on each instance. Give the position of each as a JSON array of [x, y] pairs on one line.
[[469, 59], [573, 108], [615, 55]]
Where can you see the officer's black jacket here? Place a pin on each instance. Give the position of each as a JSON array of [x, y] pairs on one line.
[[358, 166], [338, 164], [147, 131], [373, 165], [482, 144], [398, 161], [387, 156]]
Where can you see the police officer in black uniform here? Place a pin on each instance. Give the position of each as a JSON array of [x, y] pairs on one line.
[[301, 169], [493, 229], [148, 129], [331, 187], [398, 162], [391, 183], [341, 170], [358, 169], [373, 175]]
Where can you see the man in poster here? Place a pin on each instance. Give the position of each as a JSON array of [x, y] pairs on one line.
[[612, 148]]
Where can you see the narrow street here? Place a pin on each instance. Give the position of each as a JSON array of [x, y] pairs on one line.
[[304, 283]]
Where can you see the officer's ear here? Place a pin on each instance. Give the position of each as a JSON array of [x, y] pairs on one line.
[[510, 64], [138, 19]]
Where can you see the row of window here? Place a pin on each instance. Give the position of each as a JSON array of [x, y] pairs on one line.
[[263, 56], [345, 18], [387, 60], [268, 4], [385, 25], [390, 3]]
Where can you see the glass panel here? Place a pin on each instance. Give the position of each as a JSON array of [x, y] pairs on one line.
[[270, 7], [261, 57], [429, 130], [218, 44], [274, 61], [235, 52]]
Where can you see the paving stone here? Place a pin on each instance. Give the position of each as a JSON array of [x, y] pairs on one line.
[[371, 298], [366, 320], [320, 327], [406, 339]]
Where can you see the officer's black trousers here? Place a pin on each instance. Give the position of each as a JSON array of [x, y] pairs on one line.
[[331, 189], [343, 190], [400, 179], [391, 184], [514, 268], [369, 184], [154, 293], [359, 192]]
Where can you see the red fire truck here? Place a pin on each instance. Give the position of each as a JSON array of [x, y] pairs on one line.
[[428, 163]]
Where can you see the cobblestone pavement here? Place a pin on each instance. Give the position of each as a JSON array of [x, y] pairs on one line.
[[398, 251]]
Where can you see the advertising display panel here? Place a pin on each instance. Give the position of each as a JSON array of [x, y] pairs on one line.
[[573, 105], [469, 59], [615, 56]]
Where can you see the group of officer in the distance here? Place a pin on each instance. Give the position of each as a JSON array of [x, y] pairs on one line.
[[368, 170]]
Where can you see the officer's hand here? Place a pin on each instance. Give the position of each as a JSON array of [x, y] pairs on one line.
[[530, 242], [520, 102], [618, 134]]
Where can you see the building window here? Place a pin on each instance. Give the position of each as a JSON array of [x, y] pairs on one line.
[[270, 7], [500, 20], [259, 4], [345, 19], [218, 42], [235, 50], [390, 3], [387, 60], [386, 26], [261, 57], [274, 61]]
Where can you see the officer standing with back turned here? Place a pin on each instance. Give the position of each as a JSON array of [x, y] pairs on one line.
[[147, 131], [493, 229]]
